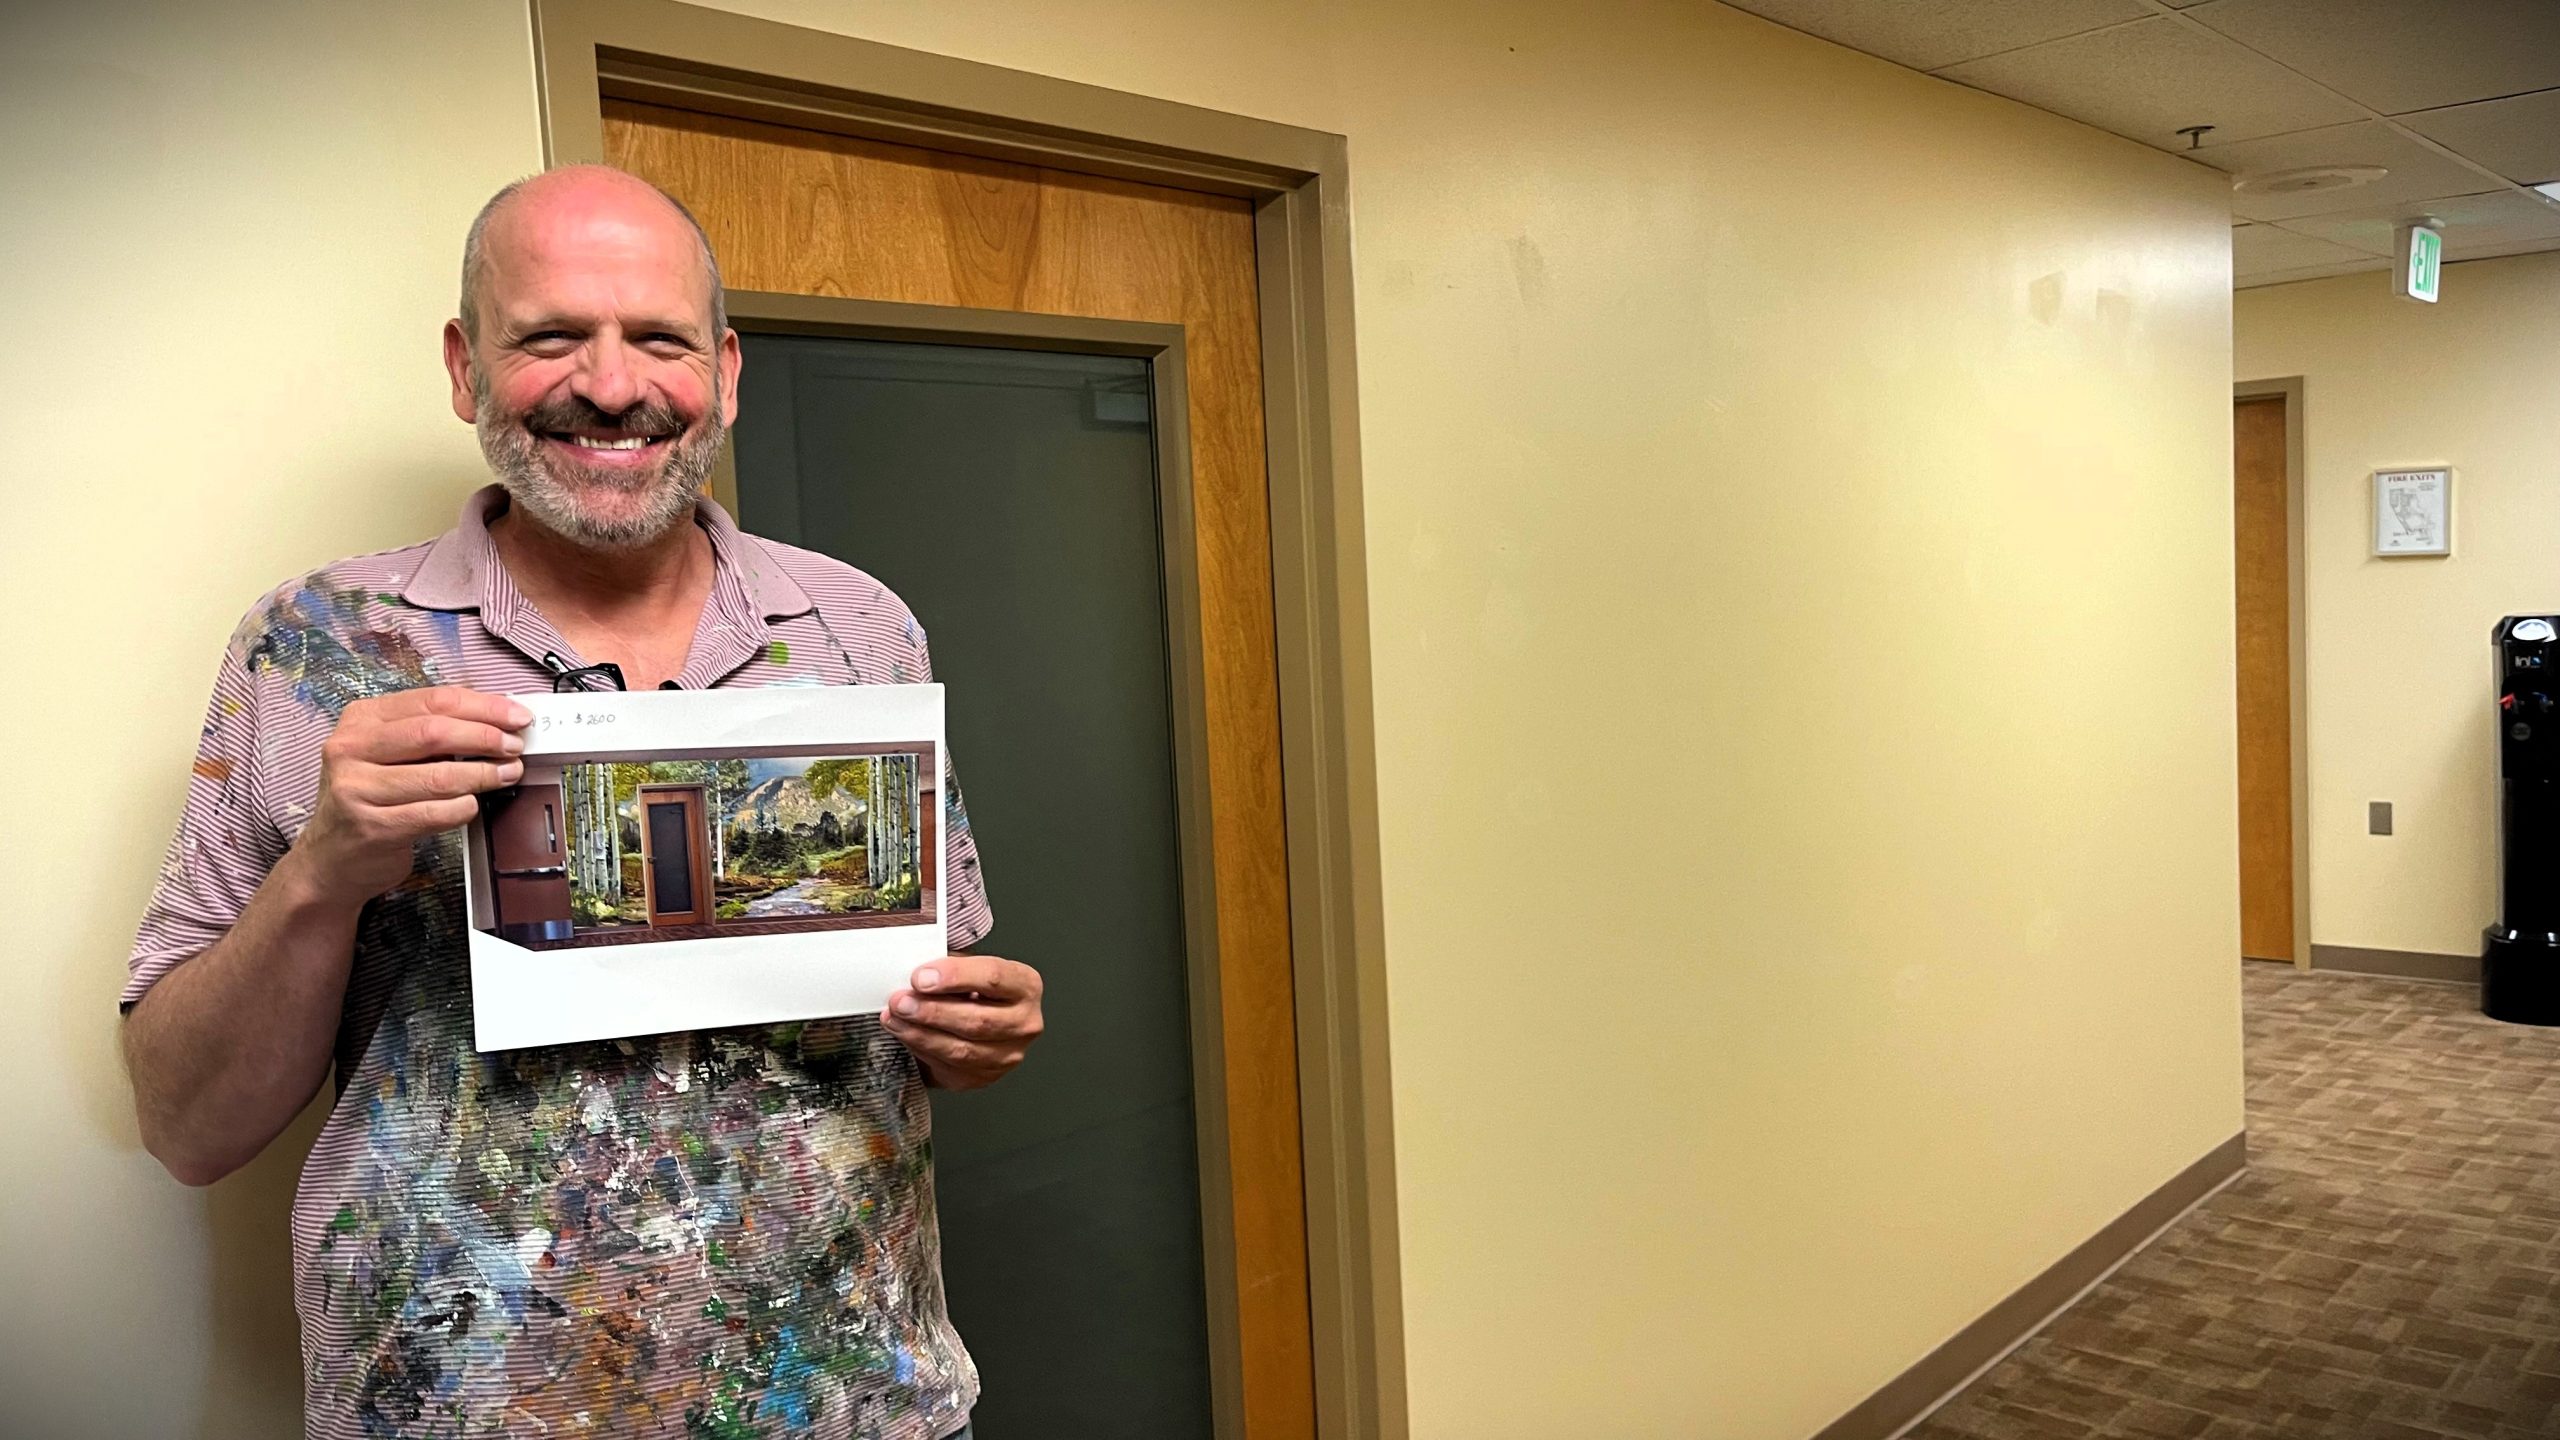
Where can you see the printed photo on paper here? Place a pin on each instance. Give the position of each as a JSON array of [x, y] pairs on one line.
[[618, 852], [694, 860]]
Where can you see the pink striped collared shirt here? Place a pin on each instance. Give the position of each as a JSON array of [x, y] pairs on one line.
[[728, 1232]]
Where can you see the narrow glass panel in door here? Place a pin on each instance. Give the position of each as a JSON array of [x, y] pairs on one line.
[[1009, 497]]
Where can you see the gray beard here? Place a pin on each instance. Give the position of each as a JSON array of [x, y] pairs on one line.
[[515, 455]]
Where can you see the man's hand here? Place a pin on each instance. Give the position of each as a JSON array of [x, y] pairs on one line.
[[390, 775], [228, 1047], [969, 1018]]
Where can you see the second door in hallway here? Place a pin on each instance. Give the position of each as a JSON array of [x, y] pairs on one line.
[[2263, 594]]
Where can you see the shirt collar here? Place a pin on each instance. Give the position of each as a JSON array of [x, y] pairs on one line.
[[462, 570]]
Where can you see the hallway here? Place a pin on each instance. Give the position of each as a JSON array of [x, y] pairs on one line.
[[2387, 1269]]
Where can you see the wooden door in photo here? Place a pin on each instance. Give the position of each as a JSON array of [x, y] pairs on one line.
[[1021, 530], [2264, 598], [675, 855]]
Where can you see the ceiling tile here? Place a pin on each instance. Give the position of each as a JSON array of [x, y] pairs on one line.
[[1927, 36], [2256, 249], [2492, 252], [2519, 137], [2417, 173], [2148, 79], [2314, 272], [2397, 55], [2470, 222]]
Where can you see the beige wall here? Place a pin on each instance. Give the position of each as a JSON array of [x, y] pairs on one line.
[[227, 241], [1799, 485], [2397, 663]]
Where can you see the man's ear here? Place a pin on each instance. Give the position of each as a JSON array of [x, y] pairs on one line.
[[457, 367], [732, 359]]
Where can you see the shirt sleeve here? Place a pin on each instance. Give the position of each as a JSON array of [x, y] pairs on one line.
[[964, 896], [227, 836]]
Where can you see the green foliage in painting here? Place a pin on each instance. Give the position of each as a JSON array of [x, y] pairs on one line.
[[848, 773]]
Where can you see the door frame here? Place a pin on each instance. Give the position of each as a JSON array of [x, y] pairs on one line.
[[659, 51], [2290, 390]]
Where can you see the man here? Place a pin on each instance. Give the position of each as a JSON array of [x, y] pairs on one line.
[[729, 1233]]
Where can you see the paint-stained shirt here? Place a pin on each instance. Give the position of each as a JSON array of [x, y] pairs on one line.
[[728, 1233]]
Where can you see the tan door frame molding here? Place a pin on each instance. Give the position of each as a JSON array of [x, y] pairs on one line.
[[672, 54], [2297, 625]]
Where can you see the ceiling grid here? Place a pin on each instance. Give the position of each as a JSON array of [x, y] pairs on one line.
[[2338, 120]]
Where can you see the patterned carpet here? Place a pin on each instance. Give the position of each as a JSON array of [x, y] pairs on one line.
[[2389, 1268]]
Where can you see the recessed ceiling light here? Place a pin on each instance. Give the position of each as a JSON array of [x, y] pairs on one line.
[[2308, 179]]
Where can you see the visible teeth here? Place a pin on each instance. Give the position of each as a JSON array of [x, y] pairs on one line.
[[590, 442]]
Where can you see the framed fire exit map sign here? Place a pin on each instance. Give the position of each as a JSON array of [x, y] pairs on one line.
[[698, 859], [2413, 512]]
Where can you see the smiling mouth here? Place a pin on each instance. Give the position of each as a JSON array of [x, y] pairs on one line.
[[604, 444]]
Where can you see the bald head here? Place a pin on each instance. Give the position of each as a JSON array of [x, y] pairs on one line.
[[574, 195]]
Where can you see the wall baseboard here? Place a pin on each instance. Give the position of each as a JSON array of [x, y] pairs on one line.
[[2407, 964], [1908, 1398]]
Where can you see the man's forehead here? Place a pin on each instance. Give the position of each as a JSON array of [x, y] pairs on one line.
[[592, 248], [596, 192], [592, 238]]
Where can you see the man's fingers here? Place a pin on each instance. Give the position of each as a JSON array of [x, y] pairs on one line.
[[458, 701], [430, 737], [950, 1050], [423, 817], [388, 785], [966, 1018], [985, 975], [916, 1037], [434, 817]]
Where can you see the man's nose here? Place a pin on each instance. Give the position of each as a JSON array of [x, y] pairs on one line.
[[605, 378]]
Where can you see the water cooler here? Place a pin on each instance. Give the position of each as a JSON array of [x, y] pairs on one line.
[[2520, 967]]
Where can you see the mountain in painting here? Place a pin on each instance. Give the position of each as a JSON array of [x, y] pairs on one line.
[[784, 803]]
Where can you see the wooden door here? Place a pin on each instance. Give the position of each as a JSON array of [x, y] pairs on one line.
[[2264, 596], [820, 214], [675, 855]]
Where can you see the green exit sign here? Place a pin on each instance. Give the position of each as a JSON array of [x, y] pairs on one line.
[[2421, 263]]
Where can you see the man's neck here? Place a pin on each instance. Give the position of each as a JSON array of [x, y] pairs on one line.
[[635, 607]]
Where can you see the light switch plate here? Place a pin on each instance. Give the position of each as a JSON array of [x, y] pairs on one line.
[[2377, 817]]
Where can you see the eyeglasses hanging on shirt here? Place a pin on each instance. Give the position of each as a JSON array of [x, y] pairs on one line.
[[565, 679]]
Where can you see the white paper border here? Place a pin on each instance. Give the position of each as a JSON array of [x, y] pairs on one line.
[[522, 997]]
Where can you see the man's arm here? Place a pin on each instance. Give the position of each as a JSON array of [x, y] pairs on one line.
[[228, 1047]]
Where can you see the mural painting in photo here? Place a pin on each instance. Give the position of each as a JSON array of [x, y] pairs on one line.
[[629, 850]]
